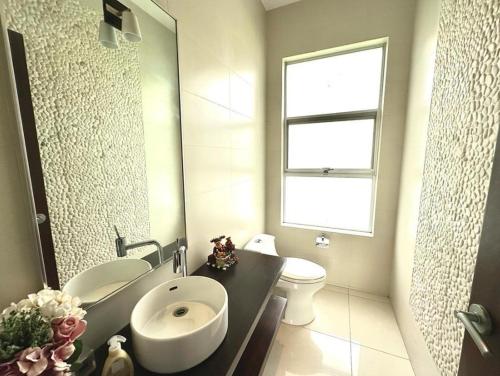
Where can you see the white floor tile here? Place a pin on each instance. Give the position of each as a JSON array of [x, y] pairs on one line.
[[366, 295], [373, 325], [302, 352], [369, 362], [332, 314]]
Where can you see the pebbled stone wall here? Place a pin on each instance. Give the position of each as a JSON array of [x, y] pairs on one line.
[[88, 109], [460, 147]]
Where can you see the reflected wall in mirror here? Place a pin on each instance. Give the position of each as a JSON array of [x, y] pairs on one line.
[[106, 127]]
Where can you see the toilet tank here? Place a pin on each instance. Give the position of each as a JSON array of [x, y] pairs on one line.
[[262, 243]]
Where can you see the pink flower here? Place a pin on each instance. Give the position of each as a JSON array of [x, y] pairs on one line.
[[68, 329], [63, 352], [33, 361]]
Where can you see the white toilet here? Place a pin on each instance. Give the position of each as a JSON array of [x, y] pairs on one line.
[[300, 280]]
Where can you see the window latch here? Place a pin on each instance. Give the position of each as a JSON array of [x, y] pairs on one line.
[[326, 170]]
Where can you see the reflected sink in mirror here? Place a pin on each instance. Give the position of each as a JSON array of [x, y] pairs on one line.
[[179, 324], [98, 282]]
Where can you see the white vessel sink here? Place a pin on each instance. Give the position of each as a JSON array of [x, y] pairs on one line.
[[179, 324], [95, 283]]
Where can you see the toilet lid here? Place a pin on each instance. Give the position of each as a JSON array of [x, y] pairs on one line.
[[302, 270]]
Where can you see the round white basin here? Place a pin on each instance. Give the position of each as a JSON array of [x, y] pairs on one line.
[[179, 324], [95, 283]]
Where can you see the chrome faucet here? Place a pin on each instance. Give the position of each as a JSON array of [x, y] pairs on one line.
[[122, 247], [180, 260]]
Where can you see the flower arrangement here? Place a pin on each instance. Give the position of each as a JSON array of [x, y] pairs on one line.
[[39, 335]]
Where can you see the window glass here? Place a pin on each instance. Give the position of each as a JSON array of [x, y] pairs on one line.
[[337, 144], [332, 105], [339, 83], [329, 202]]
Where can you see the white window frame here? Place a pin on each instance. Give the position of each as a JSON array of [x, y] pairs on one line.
[[327, 172]]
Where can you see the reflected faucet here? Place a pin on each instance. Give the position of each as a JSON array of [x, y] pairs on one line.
[[122, 247], [180, 261]]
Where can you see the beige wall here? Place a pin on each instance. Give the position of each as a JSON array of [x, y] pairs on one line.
[[353, 261], [419, 103], [222, 68]]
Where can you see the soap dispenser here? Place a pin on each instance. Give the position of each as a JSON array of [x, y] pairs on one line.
[[118, 363]]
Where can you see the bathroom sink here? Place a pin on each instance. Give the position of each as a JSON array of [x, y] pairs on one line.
[[179, 324], [95, 283]]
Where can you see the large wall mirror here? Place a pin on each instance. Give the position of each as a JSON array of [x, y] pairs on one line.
[[98, 92]]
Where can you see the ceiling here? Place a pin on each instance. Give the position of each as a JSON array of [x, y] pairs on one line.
[[271, 4]]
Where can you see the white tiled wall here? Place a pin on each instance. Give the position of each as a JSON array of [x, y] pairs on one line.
[[222, 68]]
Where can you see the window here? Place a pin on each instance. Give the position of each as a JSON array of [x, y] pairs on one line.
[[332, 115]]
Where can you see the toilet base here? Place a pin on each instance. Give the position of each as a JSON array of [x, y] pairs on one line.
[[299, 309]]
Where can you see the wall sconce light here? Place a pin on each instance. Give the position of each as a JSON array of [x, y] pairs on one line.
[[118, 16], [130, 27], [107, 35]]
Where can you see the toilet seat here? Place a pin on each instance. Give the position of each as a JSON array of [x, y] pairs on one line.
[[302, 271]]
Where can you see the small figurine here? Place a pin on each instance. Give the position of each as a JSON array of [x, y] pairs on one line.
[[218, 244], [229, 245], [223, 255]]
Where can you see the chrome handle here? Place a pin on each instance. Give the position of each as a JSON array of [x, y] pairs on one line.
[[477, 322]]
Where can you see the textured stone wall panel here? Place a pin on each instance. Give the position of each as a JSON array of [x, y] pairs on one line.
[[460, 147], [88, 110]]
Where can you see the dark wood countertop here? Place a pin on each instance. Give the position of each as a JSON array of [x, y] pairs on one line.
[[249, 285]]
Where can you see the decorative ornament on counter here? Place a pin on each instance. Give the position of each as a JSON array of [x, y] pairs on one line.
[[223, 255]]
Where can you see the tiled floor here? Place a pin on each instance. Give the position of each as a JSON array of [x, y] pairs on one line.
[[354, 334]]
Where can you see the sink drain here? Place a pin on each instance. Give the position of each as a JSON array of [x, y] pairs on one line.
[[181, 311]]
